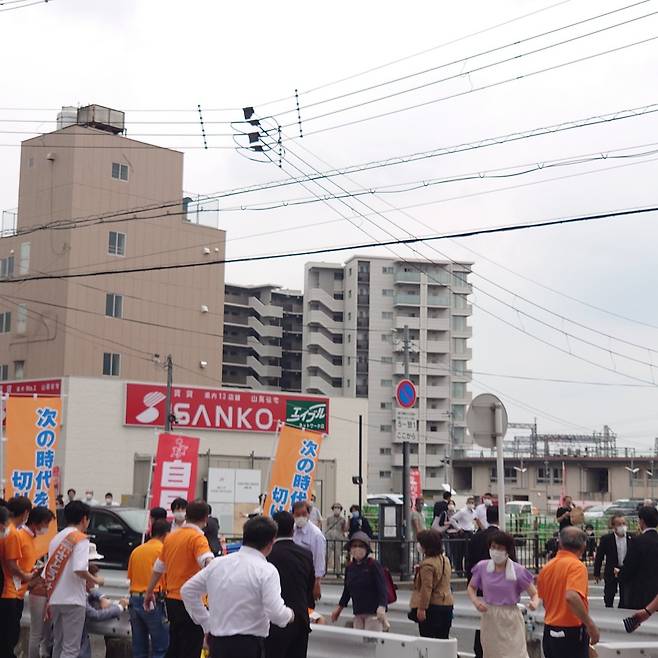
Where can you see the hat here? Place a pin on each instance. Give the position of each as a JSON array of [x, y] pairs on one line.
[[93, 553], [359, 536]]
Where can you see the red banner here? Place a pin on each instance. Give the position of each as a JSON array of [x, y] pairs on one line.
[[414, 485], [42, 387], [225, 409], [175, 470]]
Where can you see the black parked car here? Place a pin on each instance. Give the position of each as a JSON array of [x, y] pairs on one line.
[[116, 531]]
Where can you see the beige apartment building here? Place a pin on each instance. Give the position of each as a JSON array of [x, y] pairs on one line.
[[114, 325], [262, 337]]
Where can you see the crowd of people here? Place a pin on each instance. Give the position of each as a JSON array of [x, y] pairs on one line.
[[188, 595]]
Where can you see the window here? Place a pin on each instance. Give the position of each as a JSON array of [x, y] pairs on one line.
[[104, 522], [387, 315], [24, 258], [385, 405], [385, 383], [387, 292], [113, 305], [458, 412], [548, 475], [21, 319], [119, 171], [385, 475], [459, 301], [384, 451], [459, 345], [510, 474], [19, 369], [6, 267], [5, 322], [111, 364], [386, 338], [4, 372], [387, 270], [459, 434], [459, 367], [349, 316], [458, 389], [387, 359], [338, 276], [117, 244], [385, 428], [459, 323]]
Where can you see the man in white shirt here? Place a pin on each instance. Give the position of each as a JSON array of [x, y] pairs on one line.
[[66, 574], [244, 595], [89, 498], [315, 515], [464, 522], [310, 536], [481, 512]]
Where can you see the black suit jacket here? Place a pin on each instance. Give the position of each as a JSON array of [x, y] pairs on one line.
[[639, 573], [607, 550], [478, 548], [297, 574]]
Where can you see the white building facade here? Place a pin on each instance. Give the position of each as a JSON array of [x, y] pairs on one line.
[[354, 320]]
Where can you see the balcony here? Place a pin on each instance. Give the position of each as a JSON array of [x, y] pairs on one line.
[[320, 362], [265, 310], [324, 320], [434, 484], [440, 438], [396, 460], [262, 369], [406, 277], [466, 354], [406, 299], [438, 300], [436, 392], [437, 415], [398, 368], [261, 329], [467, 309], [438, 346], [412, 323], [264, 350], [322, 341], [464, 375], [315, 383]]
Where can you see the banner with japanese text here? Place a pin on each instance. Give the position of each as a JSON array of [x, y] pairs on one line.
[[32, 433], [415, 488], [176, 463], [293, 469]]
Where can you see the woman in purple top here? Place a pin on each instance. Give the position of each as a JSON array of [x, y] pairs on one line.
[[502, 580]]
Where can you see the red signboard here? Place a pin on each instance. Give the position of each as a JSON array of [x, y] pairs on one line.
[[175, 470], [43, 387], [416, 490], [224, 409]]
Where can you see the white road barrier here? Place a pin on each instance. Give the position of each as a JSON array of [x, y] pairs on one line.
[[628, 650]]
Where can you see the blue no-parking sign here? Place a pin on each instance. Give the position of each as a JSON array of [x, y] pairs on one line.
[[405, 393]]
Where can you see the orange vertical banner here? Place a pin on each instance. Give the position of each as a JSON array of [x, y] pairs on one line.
[[293, 469], [32, 434]]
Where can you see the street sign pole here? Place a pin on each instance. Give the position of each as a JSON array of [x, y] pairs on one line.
[[500, 463]]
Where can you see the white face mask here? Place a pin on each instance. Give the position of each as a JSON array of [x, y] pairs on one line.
[[179, 515], [89, 496], [488, 502], [469, 506], [358, 553], [497, 556], [337, 511], [108, 501], [301, 521], [621, 530]]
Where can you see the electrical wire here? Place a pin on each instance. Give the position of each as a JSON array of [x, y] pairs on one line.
[[24, 5]]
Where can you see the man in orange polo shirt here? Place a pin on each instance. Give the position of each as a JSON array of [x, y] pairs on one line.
[[563, 586], [147, 624], [184, 553], [11, 606]]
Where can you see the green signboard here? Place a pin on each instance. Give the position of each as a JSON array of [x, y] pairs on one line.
[[307, 414]]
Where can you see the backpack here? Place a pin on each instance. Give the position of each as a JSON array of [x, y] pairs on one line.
[[391, 594]]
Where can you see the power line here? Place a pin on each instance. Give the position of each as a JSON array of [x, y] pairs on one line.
[[23, 5], [472, 90]]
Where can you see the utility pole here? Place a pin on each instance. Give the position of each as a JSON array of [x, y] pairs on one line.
[[360, 476], [406, 478], [170, 378]]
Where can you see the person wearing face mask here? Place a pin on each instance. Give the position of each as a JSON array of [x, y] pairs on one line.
[[178, 508], [11, 603], [463, 522], [612, 548], [37, 525], [365, 585], [109, 500], [638, 574], [315, 516], [431, 600], [309, 536], [358, 522], [335, 531], [502, 581], [481, 512], [89, 498]]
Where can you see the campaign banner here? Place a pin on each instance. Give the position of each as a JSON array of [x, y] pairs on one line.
[[416, 490], [32, 433], [224, 409], [293, 468], [176, 463], [51, 388]]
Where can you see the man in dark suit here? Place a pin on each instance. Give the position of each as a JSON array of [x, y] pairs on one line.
[[297, 573], [478, 550], [613, 548], [639, 574]]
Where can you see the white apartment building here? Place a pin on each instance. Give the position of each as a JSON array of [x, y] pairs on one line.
[[354, 318], [262, 344]]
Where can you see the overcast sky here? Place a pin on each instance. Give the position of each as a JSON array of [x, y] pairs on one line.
[[138, 55]]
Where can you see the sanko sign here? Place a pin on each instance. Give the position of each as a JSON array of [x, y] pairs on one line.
[[224, 409]]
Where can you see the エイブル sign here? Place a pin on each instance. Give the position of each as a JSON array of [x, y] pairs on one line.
[[224, 409]]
